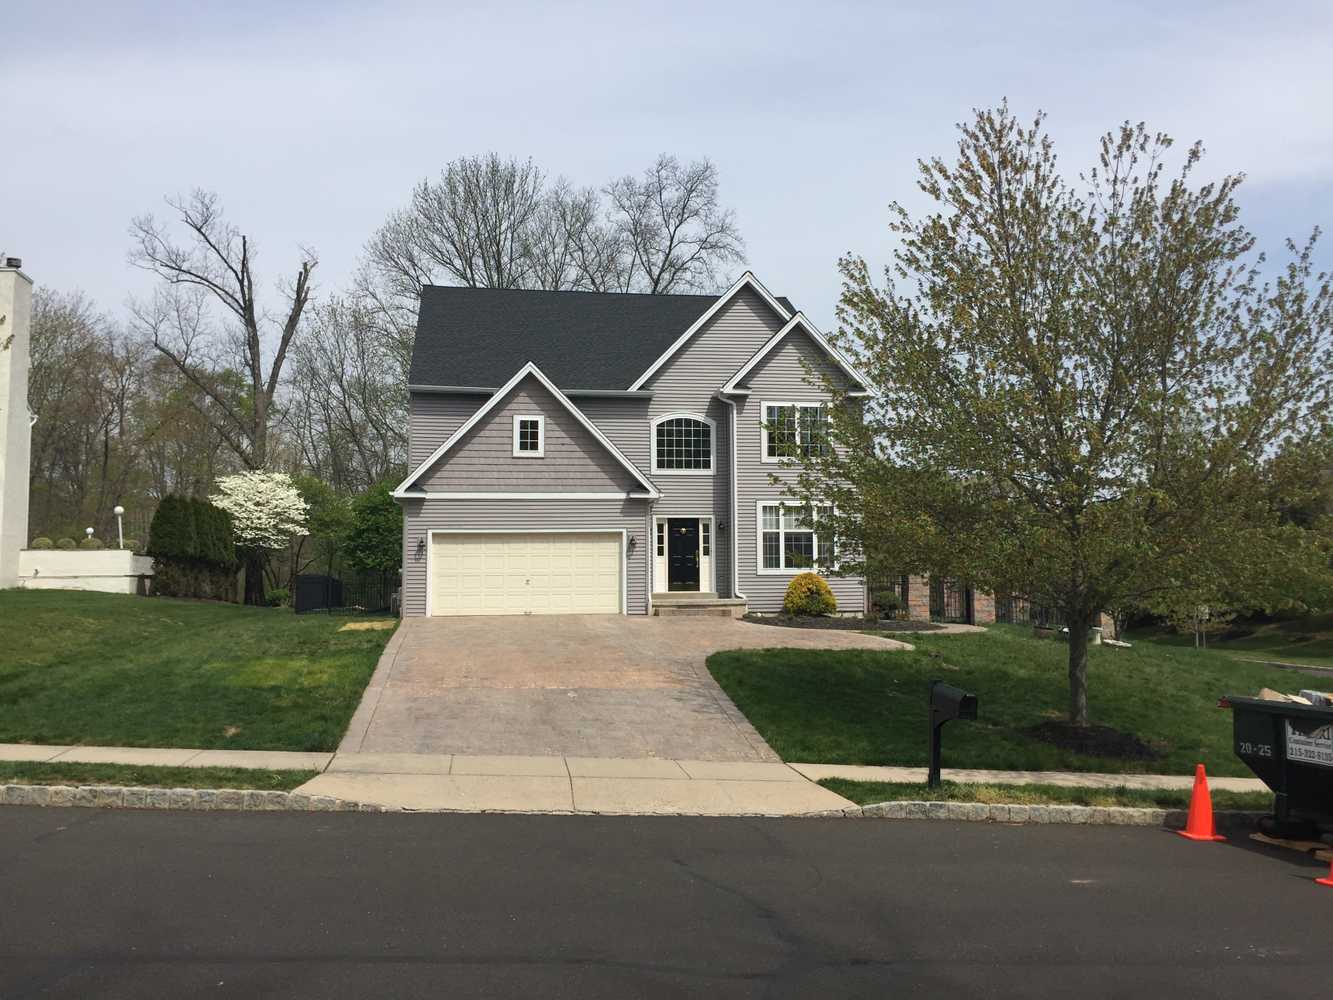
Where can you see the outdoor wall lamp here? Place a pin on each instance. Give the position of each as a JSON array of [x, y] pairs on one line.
[[421, 548], [721, 527]]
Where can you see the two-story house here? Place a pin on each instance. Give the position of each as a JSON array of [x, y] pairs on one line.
[[586, 453]]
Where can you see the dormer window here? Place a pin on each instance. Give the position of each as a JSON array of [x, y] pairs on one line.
[[529, 437]]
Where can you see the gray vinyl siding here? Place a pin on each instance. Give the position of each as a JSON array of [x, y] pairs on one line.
[[574, 461], [421, 516], [432, 418], [686, 384], [779, 378]]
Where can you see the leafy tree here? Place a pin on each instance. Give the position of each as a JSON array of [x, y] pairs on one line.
[[1082, 383], [267, 511], [326, 532], [375, 538]]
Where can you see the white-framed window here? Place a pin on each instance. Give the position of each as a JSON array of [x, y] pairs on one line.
[[794, 430], [661, 538], [790, 539], [683, 444], [705, 537], [529, 436]]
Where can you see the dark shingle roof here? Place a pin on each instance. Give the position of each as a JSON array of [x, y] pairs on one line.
[[581, 340]]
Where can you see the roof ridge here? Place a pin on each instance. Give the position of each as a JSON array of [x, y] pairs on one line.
[[576, 291]]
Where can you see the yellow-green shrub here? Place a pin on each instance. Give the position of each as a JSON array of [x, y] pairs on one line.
[[809, 594]]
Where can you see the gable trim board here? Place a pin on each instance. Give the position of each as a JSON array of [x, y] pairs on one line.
[[733, 386], [746, 280], [405, 488]]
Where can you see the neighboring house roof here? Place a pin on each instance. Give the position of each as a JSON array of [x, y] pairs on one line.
[[477, 337], [735, 386], [405, 488]]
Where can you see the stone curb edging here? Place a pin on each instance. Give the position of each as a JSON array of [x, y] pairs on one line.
[[243, 799], [229, 799], [980, 812]]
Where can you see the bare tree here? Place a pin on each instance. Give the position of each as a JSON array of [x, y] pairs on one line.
[[677, 235], [350, 372], [215, 264], [471, 226], [84, 385]]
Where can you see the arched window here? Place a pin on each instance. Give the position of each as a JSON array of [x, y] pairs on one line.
[[683, 444]]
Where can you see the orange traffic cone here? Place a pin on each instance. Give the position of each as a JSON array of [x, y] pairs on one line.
[[1327, 879], [1199, 826]]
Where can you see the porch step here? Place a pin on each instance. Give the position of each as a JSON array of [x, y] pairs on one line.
[[669, 605]]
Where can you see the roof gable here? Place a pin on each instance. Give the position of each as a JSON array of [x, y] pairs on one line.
[[746, 280], [798, 323], [410, 486]]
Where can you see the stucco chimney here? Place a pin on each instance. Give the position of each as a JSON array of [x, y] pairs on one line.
[[15, 421]]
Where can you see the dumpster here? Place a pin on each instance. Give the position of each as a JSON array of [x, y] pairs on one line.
[[1290, 747]]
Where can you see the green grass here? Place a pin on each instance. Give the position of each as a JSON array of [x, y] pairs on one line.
[[866, 792], [24, 773], [112, 670], [1305, 641], [869, 707]]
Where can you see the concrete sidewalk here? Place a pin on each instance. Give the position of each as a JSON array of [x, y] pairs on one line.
[[571, 784], [274, 760]]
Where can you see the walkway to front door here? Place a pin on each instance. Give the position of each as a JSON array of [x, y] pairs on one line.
[[571, 685]]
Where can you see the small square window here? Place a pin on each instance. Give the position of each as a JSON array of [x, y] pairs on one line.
[[529, 437]]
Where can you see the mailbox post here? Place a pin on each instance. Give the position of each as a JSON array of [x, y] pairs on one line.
[[946, 702]]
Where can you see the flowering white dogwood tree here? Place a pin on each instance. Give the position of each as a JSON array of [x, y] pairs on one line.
[[267, 512]]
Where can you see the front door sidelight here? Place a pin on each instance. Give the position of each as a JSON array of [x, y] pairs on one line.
[[683, 553]]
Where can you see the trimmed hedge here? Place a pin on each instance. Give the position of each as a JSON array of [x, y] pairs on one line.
[[190, 541], [42, 542], [65, 544]]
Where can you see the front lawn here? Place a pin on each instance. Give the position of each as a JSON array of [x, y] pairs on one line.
[[869, 707], [1305, 641], [112, 670], [868, 792]]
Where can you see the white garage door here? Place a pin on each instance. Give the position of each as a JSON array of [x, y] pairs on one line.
[[540, 573]]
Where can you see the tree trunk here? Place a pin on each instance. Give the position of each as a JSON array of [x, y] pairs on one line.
[[1078, 670], [254, 577]]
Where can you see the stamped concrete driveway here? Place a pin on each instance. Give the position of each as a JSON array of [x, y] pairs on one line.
[[581, 686]]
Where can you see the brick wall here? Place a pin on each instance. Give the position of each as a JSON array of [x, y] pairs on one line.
[[983, 608], [918, 598]]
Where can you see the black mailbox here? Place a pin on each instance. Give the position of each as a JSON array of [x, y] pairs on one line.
[[946, 702]]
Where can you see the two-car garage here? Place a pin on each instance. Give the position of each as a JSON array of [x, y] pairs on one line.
[[526, 573]]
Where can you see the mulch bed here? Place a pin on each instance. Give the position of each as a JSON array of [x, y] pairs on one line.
[[842, 624], [1096, 741]]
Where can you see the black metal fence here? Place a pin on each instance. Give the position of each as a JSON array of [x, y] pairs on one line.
[[349, 594], [878, 583], [950, 601], [1012, 610]]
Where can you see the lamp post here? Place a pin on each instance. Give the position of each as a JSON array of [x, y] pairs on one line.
[[118, 510]]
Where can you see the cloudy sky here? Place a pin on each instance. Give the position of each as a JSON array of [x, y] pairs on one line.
[[313, 120]]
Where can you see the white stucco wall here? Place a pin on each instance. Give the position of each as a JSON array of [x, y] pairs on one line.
[[15, 428], [111, 571]]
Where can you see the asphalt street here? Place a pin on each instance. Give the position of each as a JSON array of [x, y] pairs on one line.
[[144, 904]]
